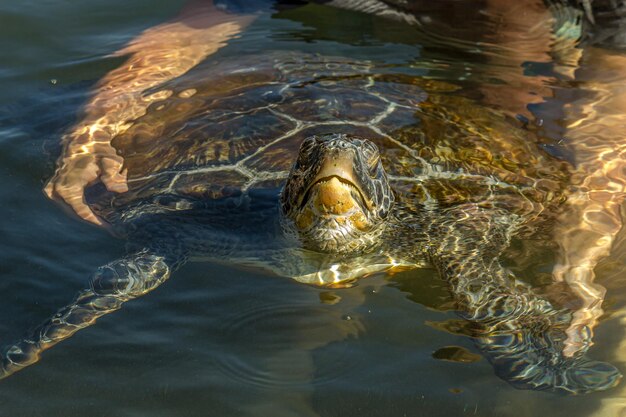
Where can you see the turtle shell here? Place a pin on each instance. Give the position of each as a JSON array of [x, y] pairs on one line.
[[236, 125]]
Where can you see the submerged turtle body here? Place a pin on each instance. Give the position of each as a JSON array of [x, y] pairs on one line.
[[221, 146], [326, 170]]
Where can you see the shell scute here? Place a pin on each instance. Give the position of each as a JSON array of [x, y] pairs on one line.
[[200, 142], [314, 103], [210, 185]]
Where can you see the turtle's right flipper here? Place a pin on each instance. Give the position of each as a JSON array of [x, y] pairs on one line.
[[522, 334], [111, 286], [530, 356]]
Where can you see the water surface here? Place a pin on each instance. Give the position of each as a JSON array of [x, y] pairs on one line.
[[219, 341]]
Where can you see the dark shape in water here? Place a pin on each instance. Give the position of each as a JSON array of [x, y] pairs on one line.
[[456, 354]]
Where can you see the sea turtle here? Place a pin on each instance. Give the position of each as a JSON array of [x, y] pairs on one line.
[[326, 170]]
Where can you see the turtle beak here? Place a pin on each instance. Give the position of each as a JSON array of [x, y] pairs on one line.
[[338, 186]]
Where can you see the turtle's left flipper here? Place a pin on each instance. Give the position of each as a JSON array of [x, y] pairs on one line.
[[111, 286]]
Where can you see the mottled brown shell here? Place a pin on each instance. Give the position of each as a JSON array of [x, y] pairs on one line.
[[229, 126]]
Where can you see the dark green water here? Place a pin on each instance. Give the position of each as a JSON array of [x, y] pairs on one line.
[[215, 341]]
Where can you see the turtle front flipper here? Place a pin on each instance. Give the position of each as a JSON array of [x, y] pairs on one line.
[[111, 286], [530, 356], [522, 334]]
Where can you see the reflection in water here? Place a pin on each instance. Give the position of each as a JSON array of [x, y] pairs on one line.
[[479, 178], [159, 54], [596, 121]]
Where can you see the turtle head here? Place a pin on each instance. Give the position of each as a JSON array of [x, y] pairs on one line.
[[337, 196]]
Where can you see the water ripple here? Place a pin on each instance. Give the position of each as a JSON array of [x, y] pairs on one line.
[[275, 345]]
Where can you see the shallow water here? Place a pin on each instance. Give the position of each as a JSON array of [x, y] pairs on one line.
[[220, 341]]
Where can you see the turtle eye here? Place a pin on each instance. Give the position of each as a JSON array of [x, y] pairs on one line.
[[369, 149], [372, 156], [303, 158], [305, 151], [307, 144], [372, 164]]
